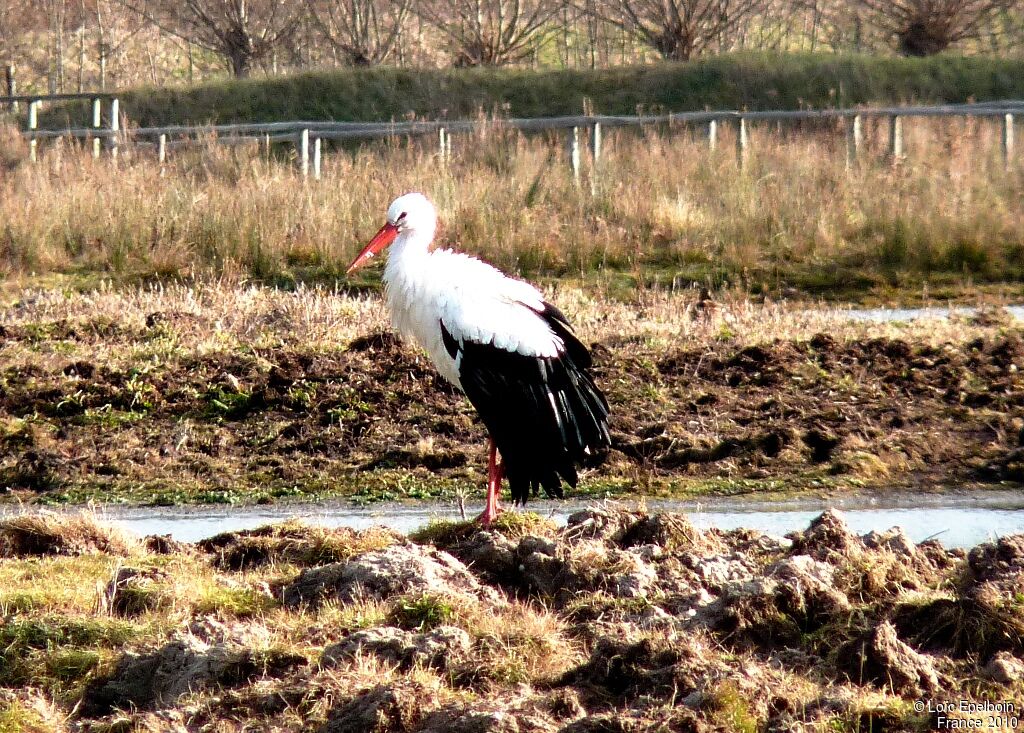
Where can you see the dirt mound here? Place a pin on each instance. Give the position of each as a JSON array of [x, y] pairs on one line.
[[984, 615], [882, 659], [794, 596], [395, 571], [188, 663], [293, 542], [392, 708], [999, 560], [608, 549], [1004, 669], [56, 534], [134, 591], [440, 647], [653, 667], [464, 719], [826, 538], [669, 530], [164, 544], [616, 526]]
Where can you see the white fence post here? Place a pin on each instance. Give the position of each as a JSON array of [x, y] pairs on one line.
[[1007, 141], [595, 156], [574, 154], [316, 158], [712, 135], [33, 125], [895, 138], [115, 126], [97, 123], [854, 138], [161, 148], [443, 145], [742, 141], [303, 145]]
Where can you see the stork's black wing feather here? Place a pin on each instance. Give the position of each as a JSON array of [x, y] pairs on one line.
[[545, 414]]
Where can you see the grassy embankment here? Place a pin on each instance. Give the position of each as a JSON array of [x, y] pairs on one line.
[[733, 81]]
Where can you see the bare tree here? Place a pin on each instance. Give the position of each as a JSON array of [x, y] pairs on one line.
[[243, 32], [677, 29], [1008, 29], [21, 19], [489, 32], [365, 31], [57, 11], [925, 27]]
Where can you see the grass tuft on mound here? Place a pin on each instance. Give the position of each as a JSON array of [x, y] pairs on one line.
[[294, 542], [444, 533], [53, 534]]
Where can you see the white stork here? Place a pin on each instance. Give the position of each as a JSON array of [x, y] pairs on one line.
[[496, 339]]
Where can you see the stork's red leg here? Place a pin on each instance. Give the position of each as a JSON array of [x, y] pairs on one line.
[[494, 473]]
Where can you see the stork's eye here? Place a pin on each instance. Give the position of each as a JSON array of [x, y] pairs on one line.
[[400, 217]]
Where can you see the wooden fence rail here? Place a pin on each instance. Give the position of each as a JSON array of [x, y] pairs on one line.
[[307, 135]]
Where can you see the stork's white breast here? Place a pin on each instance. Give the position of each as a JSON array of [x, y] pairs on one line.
[[476, 303]]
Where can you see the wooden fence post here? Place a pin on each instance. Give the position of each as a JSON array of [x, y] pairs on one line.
[[33, 125], [742, 142], [303, 145], [97, 123], [854, 138], [316, 158], [12, 86], [1007, 141], [595, 155], [115, 126], [895, 138], [712, 135], [574, 154]]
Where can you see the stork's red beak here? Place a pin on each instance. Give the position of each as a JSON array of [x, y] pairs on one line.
[[380, 240]]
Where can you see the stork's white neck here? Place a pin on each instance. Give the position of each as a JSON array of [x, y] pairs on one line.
[[407, 253], [411, 287]]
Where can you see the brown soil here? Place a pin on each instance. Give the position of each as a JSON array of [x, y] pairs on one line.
[[274, 420]]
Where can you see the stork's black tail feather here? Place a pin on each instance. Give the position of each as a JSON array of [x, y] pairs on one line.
[[545, 413]]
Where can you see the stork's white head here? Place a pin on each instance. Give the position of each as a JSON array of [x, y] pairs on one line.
[[411, 213]]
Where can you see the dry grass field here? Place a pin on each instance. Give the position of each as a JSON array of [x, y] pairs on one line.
[[665, 211]]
